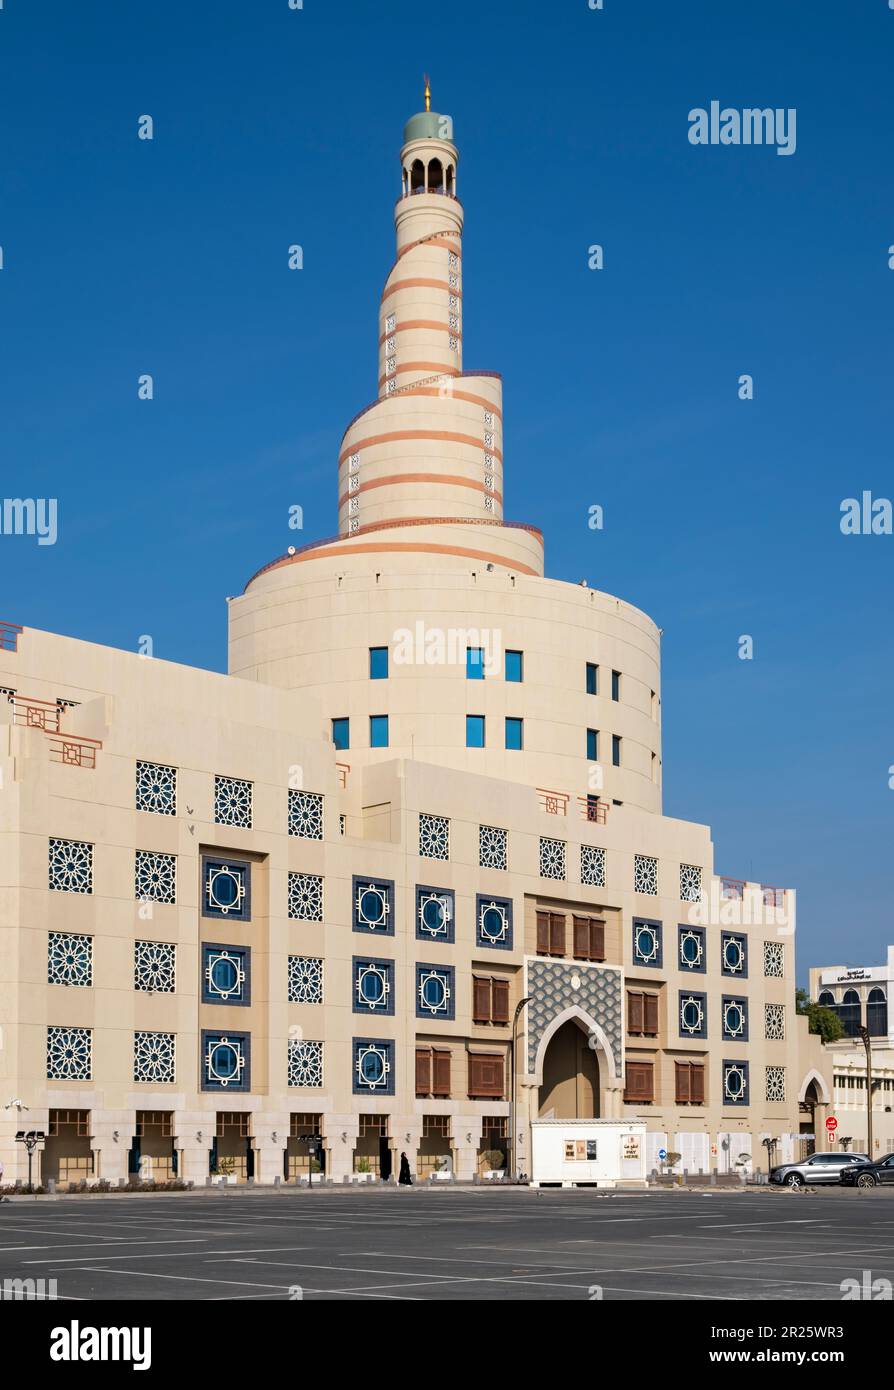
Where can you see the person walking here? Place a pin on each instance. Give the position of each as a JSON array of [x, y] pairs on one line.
[[404, 1176]]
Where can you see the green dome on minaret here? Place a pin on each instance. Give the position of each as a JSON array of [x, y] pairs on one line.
[[428, 124]]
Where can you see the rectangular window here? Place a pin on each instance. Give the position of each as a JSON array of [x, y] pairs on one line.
[[378, 663], [378, 731], [616, 685], [616, 750], [592, 679], [514, 666], [341, 733], [475, 663], [474, 730], [639, 1084], [490, 1000], [514, 733], [485, 1076], [593, 745], [551, 933], [642, 1014], [689, 1083], [589, 938]]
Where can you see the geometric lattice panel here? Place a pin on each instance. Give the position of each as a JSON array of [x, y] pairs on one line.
[[690, 883], [645, 874], [555, 986], [232, 801], [69, 1054], [775, 1084], [434, 836], [306, 897], [592, 865], [774, 960], [155, 876], [552, 858], [774, 1022], [69, 959], [305, 1062], [153, 1057], [306, 814], [157, 789], [492, 847], [71, 866], [153, 966], [305, 980]]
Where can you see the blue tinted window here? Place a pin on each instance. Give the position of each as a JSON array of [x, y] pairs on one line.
[[475, 663], [514, 666], [378, 731], [341, 733], [592, 679], [378, 663], [514, 729], [593, 745], [474, 730]]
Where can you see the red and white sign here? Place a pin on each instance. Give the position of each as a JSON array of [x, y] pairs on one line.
[[831, 1124]]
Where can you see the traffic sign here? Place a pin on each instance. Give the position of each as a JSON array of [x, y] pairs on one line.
[[831, 1124], [662, 1154]]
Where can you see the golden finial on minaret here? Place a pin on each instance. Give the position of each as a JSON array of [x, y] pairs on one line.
[[427, 93]]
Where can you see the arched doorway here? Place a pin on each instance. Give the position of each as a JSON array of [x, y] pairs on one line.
[[570, 1086]]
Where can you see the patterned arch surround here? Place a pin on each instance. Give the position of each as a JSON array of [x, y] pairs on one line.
[[561, 990]]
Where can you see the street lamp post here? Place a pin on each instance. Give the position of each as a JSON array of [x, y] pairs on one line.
[[518, 1008], [30, 1138], [867, 1043]]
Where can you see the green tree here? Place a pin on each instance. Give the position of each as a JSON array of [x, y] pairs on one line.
[[820, 1020]]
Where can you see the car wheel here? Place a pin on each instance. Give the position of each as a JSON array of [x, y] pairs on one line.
[[794, 1180], [866, 1180]]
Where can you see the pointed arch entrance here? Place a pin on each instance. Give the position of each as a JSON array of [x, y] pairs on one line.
[[570, 1086]]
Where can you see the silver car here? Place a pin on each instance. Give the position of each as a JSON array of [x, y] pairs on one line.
[[816, 1169]]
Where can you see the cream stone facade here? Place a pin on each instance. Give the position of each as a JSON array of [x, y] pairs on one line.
[[367, 885]]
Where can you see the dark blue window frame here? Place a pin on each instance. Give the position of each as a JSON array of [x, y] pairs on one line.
[[700, 934], [240, 953], [213, 1036], [724, 970], [386, 887], [740, 1003], [746, 1094], [638, 924], [358, 965], [484, 901], [702, 999], [425, 892], [386, 1046], [449, 974], [217, 868]]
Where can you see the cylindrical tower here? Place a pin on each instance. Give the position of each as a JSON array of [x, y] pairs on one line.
[[425, 566]]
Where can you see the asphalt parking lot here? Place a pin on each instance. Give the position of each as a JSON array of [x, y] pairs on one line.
[[452, 1244]]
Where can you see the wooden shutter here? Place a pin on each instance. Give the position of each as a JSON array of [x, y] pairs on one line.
[[500, 1005], [650, 1013], [597, 939], [581, 926], [683, 1089], [639, 1081], [485, 1075], [543, 933], [441, 1086], [557, 934], [634, 1012], [697, 1083], [480, 1000], [423, 1072]]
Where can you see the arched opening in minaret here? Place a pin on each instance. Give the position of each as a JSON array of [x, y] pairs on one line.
[[405, 181], [417, 177], [451, 181], [435, 176]]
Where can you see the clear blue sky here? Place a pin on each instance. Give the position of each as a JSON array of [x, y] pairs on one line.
[[275, 126]]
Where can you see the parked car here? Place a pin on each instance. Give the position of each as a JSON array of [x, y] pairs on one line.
[[816, 1169], [870, 1173]]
